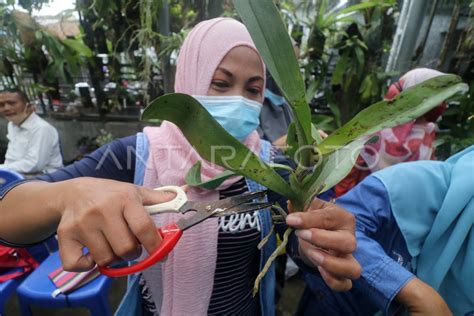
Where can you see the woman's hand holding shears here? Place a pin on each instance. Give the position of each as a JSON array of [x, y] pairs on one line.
[[171, 233], [112, 219], [108, 217]]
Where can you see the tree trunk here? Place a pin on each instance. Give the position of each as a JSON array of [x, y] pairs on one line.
[[215, 8], [200, 6], [87, 19], [166, 69], [449, 35]]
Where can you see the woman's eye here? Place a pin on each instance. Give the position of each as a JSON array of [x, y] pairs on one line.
[[254, 90], [219, 84]]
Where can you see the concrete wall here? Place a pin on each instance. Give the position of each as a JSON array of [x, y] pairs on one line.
[[70, 131]]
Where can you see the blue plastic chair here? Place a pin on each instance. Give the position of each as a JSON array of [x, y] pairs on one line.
[[8, 287], [7, 176], [37, 288], [40, 252]]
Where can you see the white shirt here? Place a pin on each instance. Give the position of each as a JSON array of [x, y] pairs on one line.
[[33, 147]]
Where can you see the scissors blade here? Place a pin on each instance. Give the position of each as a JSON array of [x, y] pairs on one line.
[[201, 215], [243, 208], [228, 206], [223, 204], [236, 200]]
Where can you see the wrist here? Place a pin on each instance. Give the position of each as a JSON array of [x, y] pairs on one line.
[[29, 213], [56, 196], [417, 296], [409, 295]]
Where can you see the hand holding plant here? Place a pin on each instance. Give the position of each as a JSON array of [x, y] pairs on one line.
[[314, 228]]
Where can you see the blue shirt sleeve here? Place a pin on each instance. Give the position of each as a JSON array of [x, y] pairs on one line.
[[115, 161], [381, 249]]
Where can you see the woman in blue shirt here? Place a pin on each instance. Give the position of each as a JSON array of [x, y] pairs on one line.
[[415, 242]]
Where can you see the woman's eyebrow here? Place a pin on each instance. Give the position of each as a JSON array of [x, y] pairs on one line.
[[225, 71], [256, 78]]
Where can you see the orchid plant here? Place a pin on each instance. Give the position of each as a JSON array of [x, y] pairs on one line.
[[320, 163]]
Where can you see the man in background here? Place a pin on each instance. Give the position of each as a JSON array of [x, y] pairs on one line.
[[33, 143]]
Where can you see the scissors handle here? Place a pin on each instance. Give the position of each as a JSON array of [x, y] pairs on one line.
[[170, 233], [171, 206]]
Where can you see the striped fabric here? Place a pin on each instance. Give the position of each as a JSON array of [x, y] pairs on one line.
[[66, 281], [237, 261], [237, 264]]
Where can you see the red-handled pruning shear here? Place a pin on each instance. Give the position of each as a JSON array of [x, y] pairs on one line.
[[171, 233]]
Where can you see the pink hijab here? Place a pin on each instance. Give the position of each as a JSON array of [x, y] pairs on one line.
[[408, 142], [183, 284]]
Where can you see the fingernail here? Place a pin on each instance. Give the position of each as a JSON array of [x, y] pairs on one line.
[[169, 195], [293, 220], [317, 256], [304, 234]]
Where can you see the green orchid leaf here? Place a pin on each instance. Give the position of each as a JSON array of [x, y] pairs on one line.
[[315, 134], [193, 178], [270, 35], [335, 167], [292, 142], [324, 122], [212, 141], [337, 16], [340, 70], [280, 166], [78, 46], [407, 106]]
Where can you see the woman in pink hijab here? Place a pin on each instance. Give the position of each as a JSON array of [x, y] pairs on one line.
[[408, 142], [213, 267]]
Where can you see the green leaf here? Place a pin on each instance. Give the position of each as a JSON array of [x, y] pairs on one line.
[[347, 20], [360, 58], [340, 70], [280, 166], [366, 88], [330, 19], [270, 35], [408, 105], [324, 122], [312, 89], [193, 178], [291, 141], [336, 112], [336, 166], [78, 46], [335, 17], [212, 141], [315, 134]]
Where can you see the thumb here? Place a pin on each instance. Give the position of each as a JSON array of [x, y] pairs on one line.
[[150, 197]]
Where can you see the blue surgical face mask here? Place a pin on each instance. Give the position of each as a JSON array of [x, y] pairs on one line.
[[274, 98], [237, 115]]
